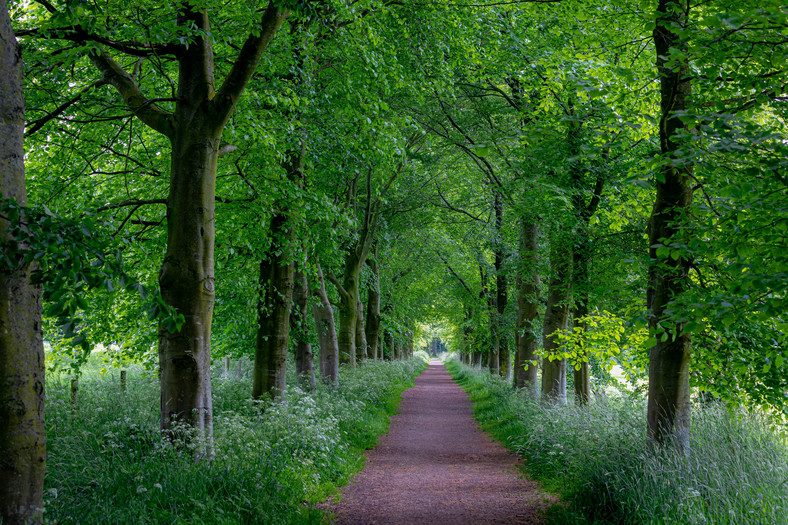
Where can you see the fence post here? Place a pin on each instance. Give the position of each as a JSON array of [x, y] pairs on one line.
[[74, 391]]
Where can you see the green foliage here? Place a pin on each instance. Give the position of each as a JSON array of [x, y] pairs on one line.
[[607, 340], [598, 458], [71, 258], [108, 463]]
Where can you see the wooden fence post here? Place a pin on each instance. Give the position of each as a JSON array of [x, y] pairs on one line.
[[74, 391]]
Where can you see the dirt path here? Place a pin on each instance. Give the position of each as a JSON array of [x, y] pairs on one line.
[[436, 467]]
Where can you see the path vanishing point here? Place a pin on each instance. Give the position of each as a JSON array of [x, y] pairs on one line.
[[436, 467]]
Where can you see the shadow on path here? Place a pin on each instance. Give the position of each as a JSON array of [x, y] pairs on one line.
[[436, 467]]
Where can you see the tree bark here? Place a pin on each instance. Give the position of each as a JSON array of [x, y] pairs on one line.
[[22, 430], [326, 334], [556, 318], [582, 376], [348, 311], [388, 341], [273, 313], [276, 283], [492, 358], [467, 336], [668, 410], [299, 328], [527, 307], [361, 334], [373, 310], [501, 295]]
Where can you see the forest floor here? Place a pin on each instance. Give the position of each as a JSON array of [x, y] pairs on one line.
[[436, 467]]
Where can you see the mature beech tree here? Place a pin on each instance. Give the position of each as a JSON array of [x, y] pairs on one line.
[[194, 128], [669, 361], [22, 432]]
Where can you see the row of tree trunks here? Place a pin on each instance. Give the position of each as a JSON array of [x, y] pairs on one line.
[[22, 430]]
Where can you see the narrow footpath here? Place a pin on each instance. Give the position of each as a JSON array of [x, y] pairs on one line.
[[436, 467]]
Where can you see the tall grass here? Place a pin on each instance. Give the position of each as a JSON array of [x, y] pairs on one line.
[[108, 464], [598, 458]]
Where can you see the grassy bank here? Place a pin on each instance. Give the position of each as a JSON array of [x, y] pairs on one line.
[[596, 458], [107, 463]]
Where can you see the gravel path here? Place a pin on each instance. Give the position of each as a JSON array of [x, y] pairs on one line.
[[436, 467]]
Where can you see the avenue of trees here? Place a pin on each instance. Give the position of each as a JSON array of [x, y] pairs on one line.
[[562, 186]]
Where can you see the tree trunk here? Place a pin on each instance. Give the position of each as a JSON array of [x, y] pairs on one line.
[[273, 313], [186, 277], [669, 392], [299, 328], [361, 334], [388, 340], [527, 307], [326, 334], [501, 296], [491, 358], [582, 376], [504, 359], [348, 307], [22, 431], [277, 276], [467, 336], [556, 318], [373, 310]]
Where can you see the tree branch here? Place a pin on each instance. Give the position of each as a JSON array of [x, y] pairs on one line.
[[452, 208], [80, 35], [131, 202], [142, 107], [455, 274], [39, 123], [248, 58], [341, 289]]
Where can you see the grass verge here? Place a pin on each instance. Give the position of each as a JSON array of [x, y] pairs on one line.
[[108, 464], [597, 458]]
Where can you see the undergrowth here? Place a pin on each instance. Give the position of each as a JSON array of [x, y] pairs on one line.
[[108, 464], [598, 459]]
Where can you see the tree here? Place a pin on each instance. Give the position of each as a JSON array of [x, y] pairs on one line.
[[194, 129], [669, 359], [22, 430]]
